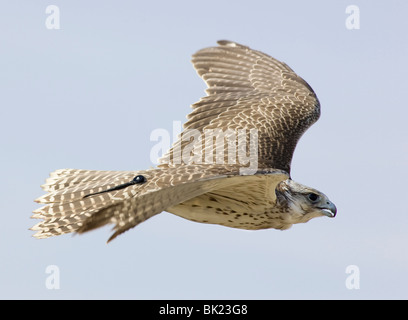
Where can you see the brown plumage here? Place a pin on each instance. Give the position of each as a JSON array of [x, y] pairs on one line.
[[247, 89]]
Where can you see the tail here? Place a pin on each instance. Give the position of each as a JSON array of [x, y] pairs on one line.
[[82, 200], [68, 206]]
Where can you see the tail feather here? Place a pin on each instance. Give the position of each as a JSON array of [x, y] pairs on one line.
[[66, 209], [60, 225], [78, 192], [62, 179], [74, 202]]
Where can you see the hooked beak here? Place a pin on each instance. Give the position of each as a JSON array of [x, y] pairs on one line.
[[329, 209]]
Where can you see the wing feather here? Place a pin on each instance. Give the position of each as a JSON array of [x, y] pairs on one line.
[[248, 89]]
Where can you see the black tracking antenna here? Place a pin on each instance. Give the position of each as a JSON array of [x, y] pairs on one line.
[[136, 180]]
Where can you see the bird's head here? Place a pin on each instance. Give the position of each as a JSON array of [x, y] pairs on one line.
[[303, 203]]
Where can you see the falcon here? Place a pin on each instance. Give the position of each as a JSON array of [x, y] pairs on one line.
[[249, 93]]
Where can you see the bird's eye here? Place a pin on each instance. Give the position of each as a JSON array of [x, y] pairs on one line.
[[313, 197]]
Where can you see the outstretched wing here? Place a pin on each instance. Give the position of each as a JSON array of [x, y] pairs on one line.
[[248, 89]]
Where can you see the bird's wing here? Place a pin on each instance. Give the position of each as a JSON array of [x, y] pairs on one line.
[[69, 208], [248, 89]]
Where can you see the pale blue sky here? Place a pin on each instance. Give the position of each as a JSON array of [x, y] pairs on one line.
[[90, 94]]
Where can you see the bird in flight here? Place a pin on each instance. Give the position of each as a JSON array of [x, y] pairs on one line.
[[250, 97]]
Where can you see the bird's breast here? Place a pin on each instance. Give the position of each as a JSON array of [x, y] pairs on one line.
[[208, 209]]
